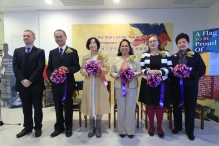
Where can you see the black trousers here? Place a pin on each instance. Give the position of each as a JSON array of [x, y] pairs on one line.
[[190, 99], [32, 100], [68, 109]]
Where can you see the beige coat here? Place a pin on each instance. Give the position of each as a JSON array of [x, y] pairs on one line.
[[102, 105], [134, 65]]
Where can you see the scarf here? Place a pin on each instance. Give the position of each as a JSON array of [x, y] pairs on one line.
[[182, 56]]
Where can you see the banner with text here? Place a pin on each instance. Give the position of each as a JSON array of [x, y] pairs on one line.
[[206, 40], [110, 36]]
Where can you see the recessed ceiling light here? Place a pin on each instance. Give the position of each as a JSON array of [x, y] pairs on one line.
[[48, 1], [116, 1]]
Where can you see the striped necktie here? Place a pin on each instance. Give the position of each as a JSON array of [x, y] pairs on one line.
[[27, 50]]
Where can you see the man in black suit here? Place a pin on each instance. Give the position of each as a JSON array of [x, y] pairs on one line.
[[28, 66], [66, 58]]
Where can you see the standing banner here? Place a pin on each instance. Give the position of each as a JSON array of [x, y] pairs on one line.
[[10, 98], [206, 42]]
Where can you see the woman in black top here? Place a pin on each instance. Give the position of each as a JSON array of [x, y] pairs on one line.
[[155, 61], [190, 85]]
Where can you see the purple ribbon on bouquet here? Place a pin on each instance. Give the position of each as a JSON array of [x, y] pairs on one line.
[[182, 91], [181, 71], [126, 76], [162, 95], [154, 81], [123, 90], [65, 88], [59, 76]]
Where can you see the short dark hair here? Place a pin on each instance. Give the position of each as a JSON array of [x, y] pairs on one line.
[[180, 36], [5, 46], [131, 50], [96, 41], [61, 31], [159, 46]]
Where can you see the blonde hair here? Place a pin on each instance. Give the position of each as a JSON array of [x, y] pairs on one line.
[[27, 30], [159, 46]]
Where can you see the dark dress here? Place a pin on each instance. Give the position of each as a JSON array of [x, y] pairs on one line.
[[150, 95]]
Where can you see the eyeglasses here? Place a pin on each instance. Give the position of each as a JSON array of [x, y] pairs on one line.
[[150, 42]]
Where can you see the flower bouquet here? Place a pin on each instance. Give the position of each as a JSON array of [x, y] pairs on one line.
[[181, 71], [92, 67], [59, 76], [154, 80], [126, 76]]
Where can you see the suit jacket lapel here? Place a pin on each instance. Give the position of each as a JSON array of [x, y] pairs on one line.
[[64, 54], [23, 54], [56, 54], [32, 54]]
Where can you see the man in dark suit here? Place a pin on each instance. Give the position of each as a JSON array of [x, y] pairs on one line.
[[28, 66], [66, 58]]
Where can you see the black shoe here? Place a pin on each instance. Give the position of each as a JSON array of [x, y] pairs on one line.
[[130, 136], [191, 137], [23, 132], [176, 130], [1, 123], [38, 133], [151, 133], [68, 133], [56, 133], [161, 135], [122, 135]]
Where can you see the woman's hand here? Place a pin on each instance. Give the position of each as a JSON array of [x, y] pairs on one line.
[[136, 76], [154, 72], [158, 72]]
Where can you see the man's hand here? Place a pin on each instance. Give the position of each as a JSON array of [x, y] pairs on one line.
[[64, 68], [26, 83], [51, 78]]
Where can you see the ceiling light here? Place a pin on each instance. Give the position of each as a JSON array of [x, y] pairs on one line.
[[116, 1], [48, 1]]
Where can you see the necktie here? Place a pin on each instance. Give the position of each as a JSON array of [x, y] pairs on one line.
[[60, 52], [28, 50]]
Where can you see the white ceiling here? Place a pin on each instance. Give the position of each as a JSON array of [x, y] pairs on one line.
[[36, 5]]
